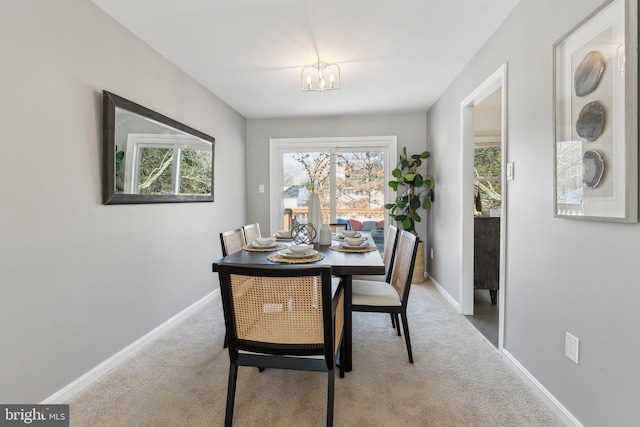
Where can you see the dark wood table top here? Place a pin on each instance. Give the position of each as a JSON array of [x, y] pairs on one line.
[[342, 263]]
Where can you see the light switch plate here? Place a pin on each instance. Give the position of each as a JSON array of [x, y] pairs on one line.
[[510, 171]]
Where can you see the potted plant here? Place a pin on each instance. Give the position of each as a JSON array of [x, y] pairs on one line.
[[417, 190], [416, 193]]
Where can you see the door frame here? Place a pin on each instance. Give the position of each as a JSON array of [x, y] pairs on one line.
[[497, 80], [388, 144]]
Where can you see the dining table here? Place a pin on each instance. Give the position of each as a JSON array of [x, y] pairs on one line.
[[344, 264]]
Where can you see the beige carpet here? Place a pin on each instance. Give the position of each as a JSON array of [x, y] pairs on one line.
[[457, 380]]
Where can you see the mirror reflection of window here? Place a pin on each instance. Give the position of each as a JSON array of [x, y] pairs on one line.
[[167, 164], [160, 160], [195, 171], [569, 188], [155, 171]]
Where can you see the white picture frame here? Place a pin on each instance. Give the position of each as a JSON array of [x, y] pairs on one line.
[[596, 115]]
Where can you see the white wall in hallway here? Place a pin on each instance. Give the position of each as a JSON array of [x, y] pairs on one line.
[[561, 274]]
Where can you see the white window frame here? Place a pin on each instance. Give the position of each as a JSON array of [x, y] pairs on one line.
[[137, 141]]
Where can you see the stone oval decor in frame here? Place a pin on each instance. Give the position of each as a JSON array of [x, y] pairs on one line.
[[592, 169], [588, 73], [590, 121]]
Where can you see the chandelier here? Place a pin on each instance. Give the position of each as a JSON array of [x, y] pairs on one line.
[[320, 76]]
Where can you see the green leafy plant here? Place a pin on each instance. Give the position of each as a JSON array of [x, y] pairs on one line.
[[418, 190]]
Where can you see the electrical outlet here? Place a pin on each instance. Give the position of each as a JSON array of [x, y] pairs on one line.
[[431, 253], [261, 188], [571, 345]]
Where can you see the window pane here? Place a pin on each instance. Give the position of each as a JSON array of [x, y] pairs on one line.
[[488, 172], [360, 184], [305, 173], [195, 172], [349, 179], [155, 171]]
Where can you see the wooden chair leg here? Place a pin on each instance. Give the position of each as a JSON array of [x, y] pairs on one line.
[[405, 326], [397, 322], [231, 394], [330, 392], [393, 321]]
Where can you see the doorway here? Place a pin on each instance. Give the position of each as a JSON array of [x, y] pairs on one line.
[[483, 121]]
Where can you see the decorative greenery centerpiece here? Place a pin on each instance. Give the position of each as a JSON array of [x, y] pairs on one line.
[[418, 190]]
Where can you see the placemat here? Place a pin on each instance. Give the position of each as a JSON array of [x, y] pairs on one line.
[[284, 260], [369, 248], [250, 248], [284, 239]]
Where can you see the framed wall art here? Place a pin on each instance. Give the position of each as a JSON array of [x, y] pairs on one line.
[[596, 116]]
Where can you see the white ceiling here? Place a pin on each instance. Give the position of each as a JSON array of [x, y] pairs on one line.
[[394, 55]]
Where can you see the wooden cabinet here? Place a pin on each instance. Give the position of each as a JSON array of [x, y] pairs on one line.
[[486, 250]]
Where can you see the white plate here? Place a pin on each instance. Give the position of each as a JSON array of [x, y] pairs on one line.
[[288, 254], [256, 245], [353, 248]]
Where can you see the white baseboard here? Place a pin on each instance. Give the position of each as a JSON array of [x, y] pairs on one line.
[[535, 385], [65, 394], [446, 294], [548, 398]]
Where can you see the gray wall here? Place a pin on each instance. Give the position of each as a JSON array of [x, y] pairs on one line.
[[410, 129], [561, 275], [80, 281]]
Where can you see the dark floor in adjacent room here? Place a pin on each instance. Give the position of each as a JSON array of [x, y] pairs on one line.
[[485, 316]]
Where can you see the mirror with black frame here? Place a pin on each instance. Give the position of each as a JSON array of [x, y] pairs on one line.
[[150, 158]]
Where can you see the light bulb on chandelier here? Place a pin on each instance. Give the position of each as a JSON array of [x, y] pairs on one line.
[[313, 80]]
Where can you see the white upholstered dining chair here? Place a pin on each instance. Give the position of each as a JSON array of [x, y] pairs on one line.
[[390, 244], [390, 296], [251, 231], [232, 241]]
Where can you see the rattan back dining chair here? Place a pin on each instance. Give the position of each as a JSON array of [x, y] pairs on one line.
[[390, 297], [282, 318], [232, 241], [251, 231]]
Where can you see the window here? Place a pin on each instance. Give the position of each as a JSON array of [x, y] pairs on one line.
[[349, 174], [487, 178]]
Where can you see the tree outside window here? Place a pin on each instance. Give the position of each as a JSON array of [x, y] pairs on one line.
[[487, 177]]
